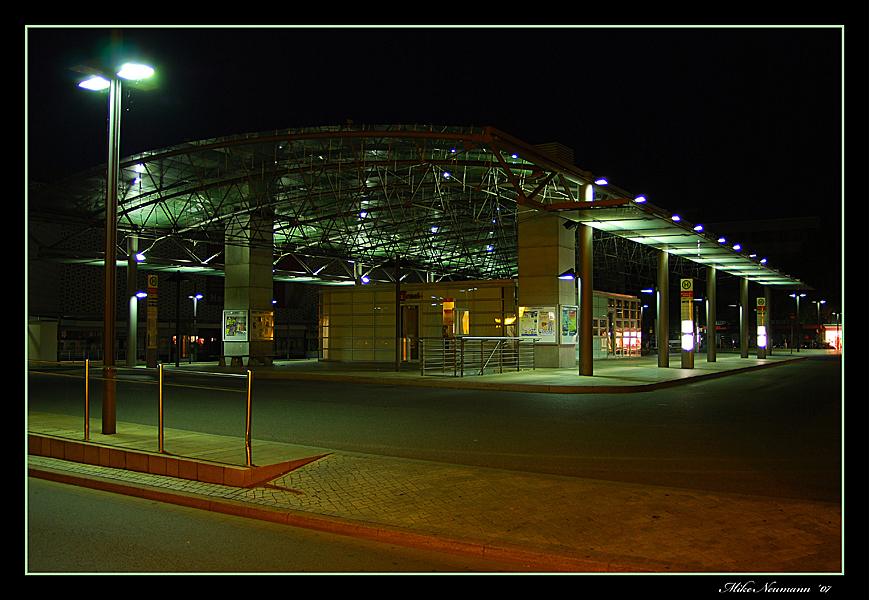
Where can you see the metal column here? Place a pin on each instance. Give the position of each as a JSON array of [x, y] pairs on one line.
[[663, 309], [109, 408], [586, 299], [710, 314], [743, 318], [133, 313]]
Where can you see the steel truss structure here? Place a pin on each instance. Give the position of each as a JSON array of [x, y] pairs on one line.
[[333, 203]]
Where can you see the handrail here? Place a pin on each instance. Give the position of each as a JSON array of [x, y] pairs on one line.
[[475, 355], [160, 385]]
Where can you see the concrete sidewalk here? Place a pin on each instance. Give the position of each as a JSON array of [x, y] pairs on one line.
[[554, 523], [622, 375]]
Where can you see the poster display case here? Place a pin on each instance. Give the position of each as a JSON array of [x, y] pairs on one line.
[[235, 326]]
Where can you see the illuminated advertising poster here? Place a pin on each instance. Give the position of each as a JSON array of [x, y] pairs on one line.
[[528, 323], [546, 324], [235, 327], [539, 322], [262, 325], [569, 324]]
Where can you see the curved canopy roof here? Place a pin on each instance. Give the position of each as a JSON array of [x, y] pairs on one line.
[[444, 200]]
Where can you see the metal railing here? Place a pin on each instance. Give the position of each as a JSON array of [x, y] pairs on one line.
[[462, 356], [87, 376]]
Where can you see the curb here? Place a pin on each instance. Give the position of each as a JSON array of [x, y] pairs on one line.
[[461, 383], [549, 560]]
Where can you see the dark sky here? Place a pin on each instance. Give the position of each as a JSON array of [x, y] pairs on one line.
[[714, 123]]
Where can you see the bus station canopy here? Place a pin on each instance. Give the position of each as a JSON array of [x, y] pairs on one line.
[[443, 200]]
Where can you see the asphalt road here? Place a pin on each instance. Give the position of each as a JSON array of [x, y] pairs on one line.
[[773, 432], [79, 530]]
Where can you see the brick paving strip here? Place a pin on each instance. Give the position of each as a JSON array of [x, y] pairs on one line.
[[568, 523]]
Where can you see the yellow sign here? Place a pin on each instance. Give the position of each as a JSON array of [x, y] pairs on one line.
[[687, 299]]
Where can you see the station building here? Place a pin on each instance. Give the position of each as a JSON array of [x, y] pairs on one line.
[[352, 240]]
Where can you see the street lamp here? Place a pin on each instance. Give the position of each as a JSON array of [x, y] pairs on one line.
[[818, 336], [799, 329], [110, 79], [196, 300]]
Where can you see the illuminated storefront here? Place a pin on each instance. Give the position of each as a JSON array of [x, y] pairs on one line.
[[357, 323]]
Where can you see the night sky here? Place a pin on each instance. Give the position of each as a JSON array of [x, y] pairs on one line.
[[717, 124]]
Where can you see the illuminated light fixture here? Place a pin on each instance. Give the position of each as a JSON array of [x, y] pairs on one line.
[[601, 181], [687, 335], [135, 71], [568, 275], [129, 71], [490, 248], [737, 247], [640, 199], [140, 257], [722, 240], [514, 156], [434, 228], [95, 84], [698, 228], [763, 261], [761, 336], [676, 218], [446, 174], [140, 168], [647, 291], [141, 294], [365, 279]]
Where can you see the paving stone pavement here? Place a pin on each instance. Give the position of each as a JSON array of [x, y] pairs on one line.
[[564, 522]]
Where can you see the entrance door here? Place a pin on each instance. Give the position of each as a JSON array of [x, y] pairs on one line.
[[410, 330]]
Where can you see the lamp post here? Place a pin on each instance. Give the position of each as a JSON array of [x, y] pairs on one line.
[[196, 300], [102, 79], [799, 329], [818, 336]]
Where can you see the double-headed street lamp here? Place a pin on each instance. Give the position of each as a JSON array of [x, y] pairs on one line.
[[110, 79], [819, 302], [799, 328]]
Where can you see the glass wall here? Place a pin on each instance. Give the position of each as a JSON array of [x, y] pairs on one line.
[[616, 325]]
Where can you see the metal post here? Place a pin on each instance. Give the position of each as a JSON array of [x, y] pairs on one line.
[[160, 408], [247, 433], [178, 319], [132, 301], [397, 314], [743, 318], [711, 316], [87, 412], [586, 299], [663, 298], [768, 295], [109, 317]]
